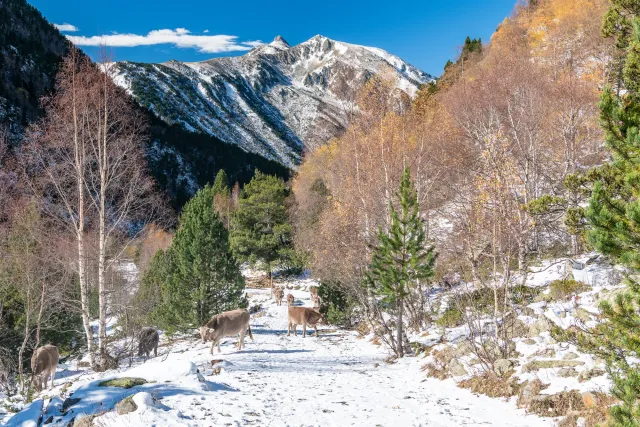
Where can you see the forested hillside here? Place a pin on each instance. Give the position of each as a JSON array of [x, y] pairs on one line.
[[30, 54]]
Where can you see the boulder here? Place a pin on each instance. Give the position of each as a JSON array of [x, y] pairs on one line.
[[570, 356], [536, 365], [125, 406], [547, 352], [463, 348], [567, 372], [542, 324], [86, 421], [590, 373], [456, 368], [502, 366], [529, 390], [530, 341]]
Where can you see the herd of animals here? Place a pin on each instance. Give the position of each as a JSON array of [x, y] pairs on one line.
[[44, 361]]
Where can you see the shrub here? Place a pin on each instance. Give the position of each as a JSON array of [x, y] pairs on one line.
[[451, 318], [523, 295], [565, 288], [336, 306]]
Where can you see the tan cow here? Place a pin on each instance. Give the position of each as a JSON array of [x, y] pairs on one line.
[[43, 365], [279, 294], [226, 324], [290, 300], [304, 316]]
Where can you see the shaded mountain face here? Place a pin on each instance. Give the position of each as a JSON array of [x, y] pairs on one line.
[[30, 52], [276, 101]]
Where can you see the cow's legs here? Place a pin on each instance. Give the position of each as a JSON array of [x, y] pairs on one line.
[[213, 343], [241, 342], [295, 329], [289, 329], [316, 328], [304, 329], [53, 375]]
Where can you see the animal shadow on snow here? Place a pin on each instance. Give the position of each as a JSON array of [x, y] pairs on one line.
[[273, 351]]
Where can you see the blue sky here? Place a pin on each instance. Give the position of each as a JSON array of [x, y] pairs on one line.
[[425, 33]]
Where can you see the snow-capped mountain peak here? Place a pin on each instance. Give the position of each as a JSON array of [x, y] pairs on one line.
[[277, 100], [280, 43]]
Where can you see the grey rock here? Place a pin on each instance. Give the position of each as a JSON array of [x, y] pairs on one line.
[[125, 406], [570, 356], [502, 366], [456, 369], [567, 372]]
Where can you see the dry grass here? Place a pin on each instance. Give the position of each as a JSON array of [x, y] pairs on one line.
[[435, 372], [261, 282], [557, 405], [595, 414], [492, 385]]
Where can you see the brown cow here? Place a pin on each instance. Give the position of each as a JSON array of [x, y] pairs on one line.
[[279, 294], [304, 316], [43, 365], [226, 324], [290, 300], [147, 341]]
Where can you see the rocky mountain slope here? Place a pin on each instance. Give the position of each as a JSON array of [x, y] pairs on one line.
[[276, 101], [31, 50]]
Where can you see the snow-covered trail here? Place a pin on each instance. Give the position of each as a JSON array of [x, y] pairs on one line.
[[338, 379], [334, 380]]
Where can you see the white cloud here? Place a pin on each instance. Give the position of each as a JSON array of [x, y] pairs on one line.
[[180, 37], [205, 31], [66, 27]]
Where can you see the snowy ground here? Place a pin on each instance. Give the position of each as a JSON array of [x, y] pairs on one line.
[[336, 379]]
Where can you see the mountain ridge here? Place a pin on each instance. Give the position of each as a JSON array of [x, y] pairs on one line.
[[277, 100]]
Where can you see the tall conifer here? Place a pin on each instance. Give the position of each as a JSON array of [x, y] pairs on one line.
[[402, 257]]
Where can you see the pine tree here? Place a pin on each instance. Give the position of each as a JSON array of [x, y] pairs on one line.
[[222, 197], [260, 229], [613, 216], [198, 274], [221, 184], [402, 256]]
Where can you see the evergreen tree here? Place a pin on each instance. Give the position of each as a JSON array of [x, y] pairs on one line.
[[402, 256], [613, 216], [260, 230], [222, 197], [198, 274], [148, 299], [221, 184]]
